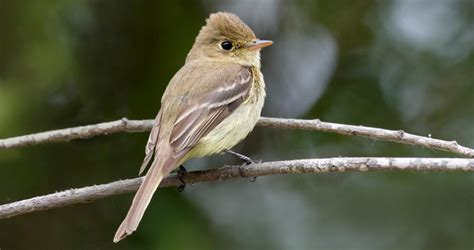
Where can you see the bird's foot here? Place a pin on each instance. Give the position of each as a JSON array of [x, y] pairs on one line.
[[245, 159], [181, 173], [243, 175]]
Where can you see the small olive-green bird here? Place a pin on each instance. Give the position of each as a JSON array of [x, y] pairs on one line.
[[210, 105]]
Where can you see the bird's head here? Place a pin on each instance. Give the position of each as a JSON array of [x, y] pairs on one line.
[[226, 38]]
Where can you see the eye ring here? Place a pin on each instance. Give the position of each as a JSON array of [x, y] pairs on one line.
[[227, 45]]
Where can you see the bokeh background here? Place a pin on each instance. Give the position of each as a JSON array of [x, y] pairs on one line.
[[396, 64]]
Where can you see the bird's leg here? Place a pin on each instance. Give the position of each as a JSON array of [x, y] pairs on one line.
[[181, 173], [247, 160]]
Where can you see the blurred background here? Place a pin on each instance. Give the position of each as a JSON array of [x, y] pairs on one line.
[[396, 64]]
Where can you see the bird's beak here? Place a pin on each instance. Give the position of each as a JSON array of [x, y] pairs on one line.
[[258, 44]]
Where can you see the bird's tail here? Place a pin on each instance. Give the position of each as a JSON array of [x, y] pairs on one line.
[[143, 196]]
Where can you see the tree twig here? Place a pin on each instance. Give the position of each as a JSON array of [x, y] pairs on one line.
[[91, 193], [81, 132], [125, 125]]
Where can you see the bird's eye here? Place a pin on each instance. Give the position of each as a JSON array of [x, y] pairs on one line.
[[226, 45]]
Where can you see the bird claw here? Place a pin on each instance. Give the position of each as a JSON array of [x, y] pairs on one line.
[[181, 173], [241, 172]]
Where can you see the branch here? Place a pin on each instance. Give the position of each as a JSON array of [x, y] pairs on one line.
[[125, 125], [398, 136], [82, 132], [91, 193]]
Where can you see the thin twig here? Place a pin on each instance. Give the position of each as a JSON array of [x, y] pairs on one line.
[[82, 132], [398, 136], [91, 193], [125, 125]]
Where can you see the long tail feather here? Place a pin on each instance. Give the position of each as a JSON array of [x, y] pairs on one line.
[[143, 197]]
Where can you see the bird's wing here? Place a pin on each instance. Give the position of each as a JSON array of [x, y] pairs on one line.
[[151, 144], [205, 112]]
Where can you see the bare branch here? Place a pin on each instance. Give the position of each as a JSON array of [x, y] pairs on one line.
[[125, 125], [91, 193], [398, 136], [82, 132]]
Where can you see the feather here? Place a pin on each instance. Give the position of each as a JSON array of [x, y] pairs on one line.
[[151, 144]]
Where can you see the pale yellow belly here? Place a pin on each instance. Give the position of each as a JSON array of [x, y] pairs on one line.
[[231, 130]]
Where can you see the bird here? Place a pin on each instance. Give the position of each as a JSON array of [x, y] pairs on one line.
[[210, 105]]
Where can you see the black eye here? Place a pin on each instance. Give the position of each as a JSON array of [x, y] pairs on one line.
[[226, 45]]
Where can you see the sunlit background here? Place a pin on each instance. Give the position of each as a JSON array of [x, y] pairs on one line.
[[397, 64]]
